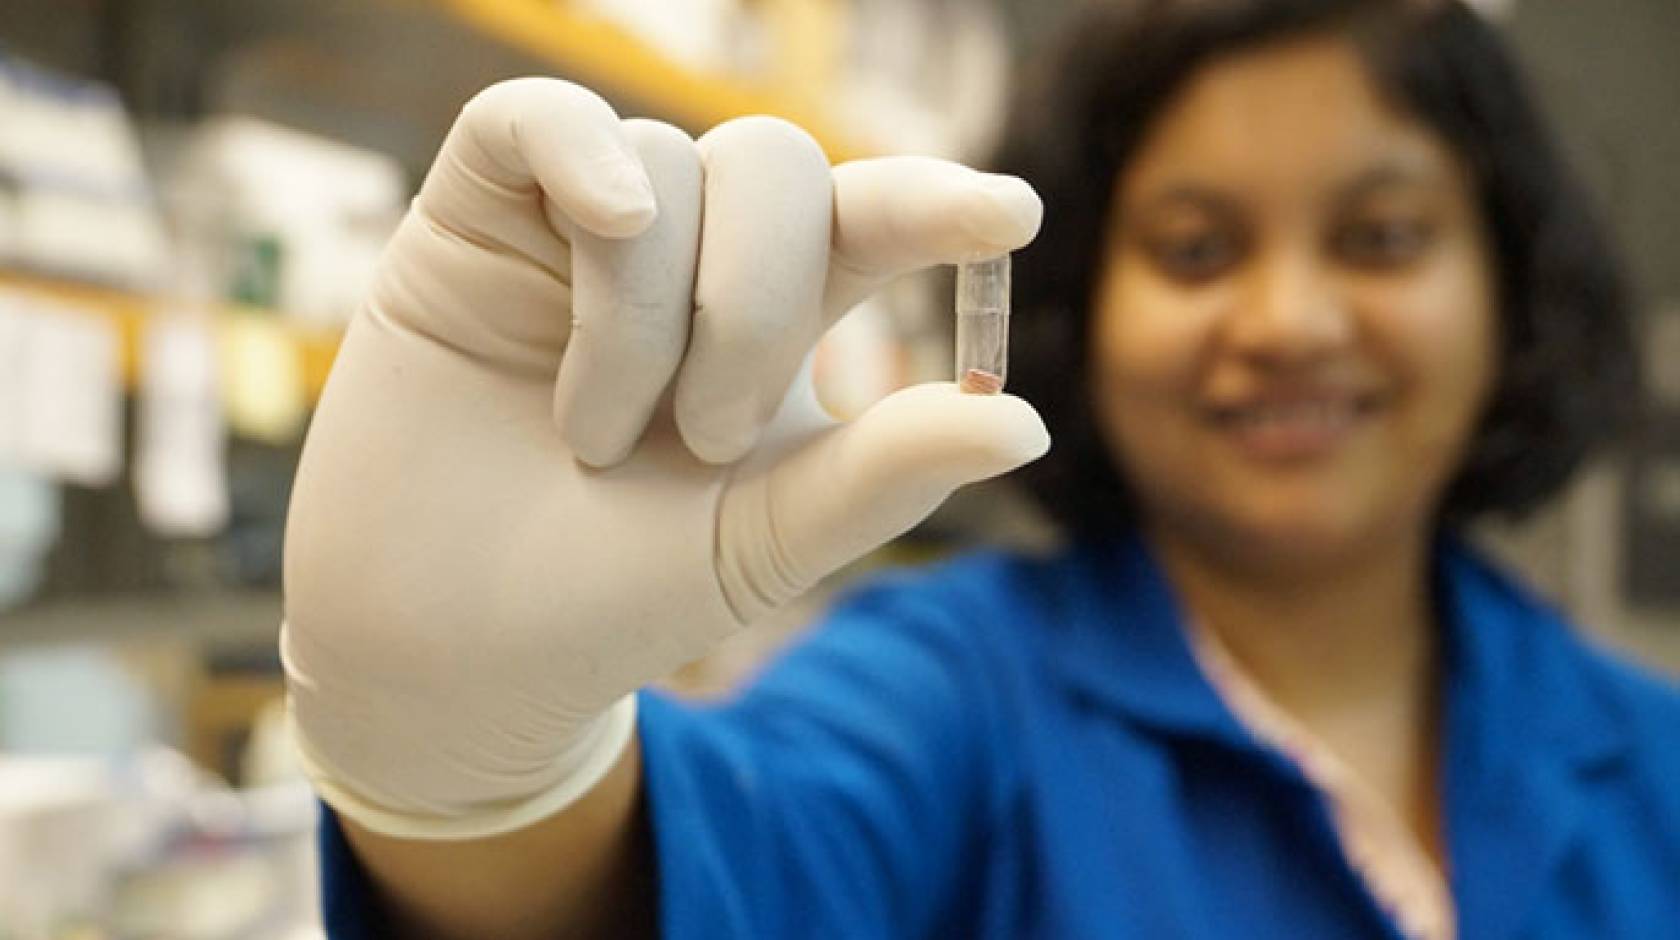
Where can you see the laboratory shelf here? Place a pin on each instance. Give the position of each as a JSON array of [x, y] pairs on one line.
[[602, 55], [228, 622], [129, 311]]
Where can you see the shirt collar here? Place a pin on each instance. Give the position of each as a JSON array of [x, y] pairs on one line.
[[1119, 644], [1514, 685]]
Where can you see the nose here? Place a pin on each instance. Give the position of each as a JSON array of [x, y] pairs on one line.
[[1290, 313]]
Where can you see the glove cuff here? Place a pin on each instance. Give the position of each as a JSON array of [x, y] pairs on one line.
[[583, 764]]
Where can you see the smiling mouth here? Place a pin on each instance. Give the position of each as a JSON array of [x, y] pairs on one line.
[[1295, 429]]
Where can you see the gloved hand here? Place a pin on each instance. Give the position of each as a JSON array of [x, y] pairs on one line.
[[568, 446]]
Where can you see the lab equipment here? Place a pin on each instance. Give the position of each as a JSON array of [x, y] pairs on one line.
[[983, 325]]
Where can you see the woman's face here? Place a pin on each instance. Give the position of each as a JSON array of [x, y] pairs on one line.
[[1296, 324]]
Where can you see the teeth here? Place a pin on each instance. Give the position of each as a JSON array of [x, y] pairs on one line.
[[1325, 415]]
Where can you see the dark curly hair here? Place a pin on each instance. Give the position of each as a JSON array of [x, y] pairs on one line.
[[1567, 368]]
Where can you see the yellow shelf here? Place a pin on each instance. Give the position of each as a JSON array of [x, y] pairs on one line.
[[128, 313], [604, 55]]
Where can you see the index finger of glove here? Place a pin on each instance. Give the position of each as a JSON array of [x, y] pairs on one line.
[[527, 149], [631, 302]]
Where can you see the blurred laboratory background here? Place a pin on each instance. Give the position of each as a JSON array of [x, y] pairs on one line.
[[192, 196]]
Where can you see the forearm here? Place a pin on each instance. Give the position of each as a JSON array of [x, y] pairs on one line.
[[584, 872]]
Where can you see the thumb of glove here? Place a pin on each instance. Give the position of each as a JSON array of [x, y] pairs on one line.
[[856, 486]]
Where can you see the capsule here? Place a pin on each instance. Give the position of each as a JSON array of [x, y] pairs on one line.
[[983, 325]]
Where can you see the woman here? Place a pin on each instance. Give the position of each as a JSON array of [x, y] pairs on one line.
[[1313, 291]]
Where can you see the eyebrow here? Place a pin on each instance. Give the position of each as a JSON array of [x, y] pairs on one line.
[[1390, 174], [1201, 197]]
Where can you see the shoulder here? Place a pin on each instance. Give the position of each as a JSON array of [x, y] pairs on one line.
[[1567, 665], [985, 575], [986, 596], [1643, 711], [971, 623], [1646, 703], [1640, 696]]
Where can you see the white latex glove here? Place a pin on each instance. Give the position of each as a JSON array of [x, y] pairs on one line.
[[568, 447]]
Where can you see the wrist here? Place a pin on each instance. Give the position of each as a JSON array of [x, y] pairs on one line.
[[583, 761]]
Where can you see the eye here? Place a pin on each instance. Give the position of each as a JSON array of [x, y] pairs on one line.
[[1383, 243], [1194, 257]]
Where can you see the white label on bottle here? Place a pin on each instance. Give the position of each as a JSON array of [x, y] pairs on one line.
[[180, 472], [71, 394]]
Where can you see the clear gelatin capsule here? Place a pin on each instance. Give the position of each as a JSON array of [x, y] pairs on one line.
[[983, 325]]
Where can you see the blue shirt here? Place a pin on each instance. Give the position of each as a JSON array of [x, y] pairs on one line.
[[1006, 747]]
